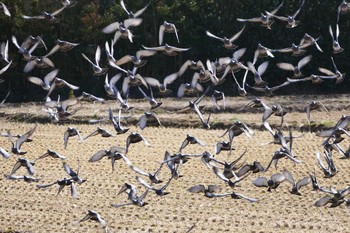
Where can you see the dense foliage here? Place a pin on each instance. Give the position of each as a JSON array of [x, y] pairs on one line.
[[83, 23]]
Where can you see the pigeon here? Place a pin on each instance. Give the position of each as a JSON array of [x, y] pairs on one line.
[[296, 69], [336, 199], [47, 80], [28, 46], [104, 133], [265, 20], [290, 19], [96, 66], [135, 200], [258, 82], [227, 41], [160, 192], [51, 17], [312, 106], [135, 138], [167, 49], [308, 40], [121, 29], [193, 105], [94, 216], [336, 132], [114, 153], [281, 153], [231, 183], [137, 59], [116, 123], [190, 140], [28, 179], [132, 14], [58, 110], [129, 189], [233, 195], [237, 129], [275, 109], [202, 189], [241, 88], [296, 185], [70, 132], [152, 176], [21, 162], [268, 91], [171, 165], [16, 146], [255, 167], [74, 175], [263, 51], [331, 169], [337, 75], [132, 78], [335, 43], [62, 183], [223, 146], [154, 104], [217, 96], [229, 168], [64, 46], [296, 50], [90, 98], [190, 64], [59, 83], [272, 183], [254, 103], [145, 118], [168, 28], [52, 154], [40, 61], [343, 8], [162, 87], [231, 64]]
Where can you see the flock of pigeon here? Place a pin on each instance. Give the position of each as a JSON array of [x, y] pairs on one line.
[[207, 76]]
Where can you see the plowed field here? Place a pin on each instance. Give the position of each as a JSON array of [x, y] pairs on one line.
[[25, 208]]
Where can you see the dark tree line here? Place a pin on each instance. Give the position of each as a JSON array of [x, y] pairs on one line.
[[83, 23]]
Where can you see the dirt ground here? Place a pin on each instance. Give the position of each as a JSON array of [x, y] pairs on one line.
[[25, 208]]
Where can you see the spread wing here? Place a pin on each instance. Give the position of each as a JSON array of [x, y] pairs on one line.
[[98, 156]]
